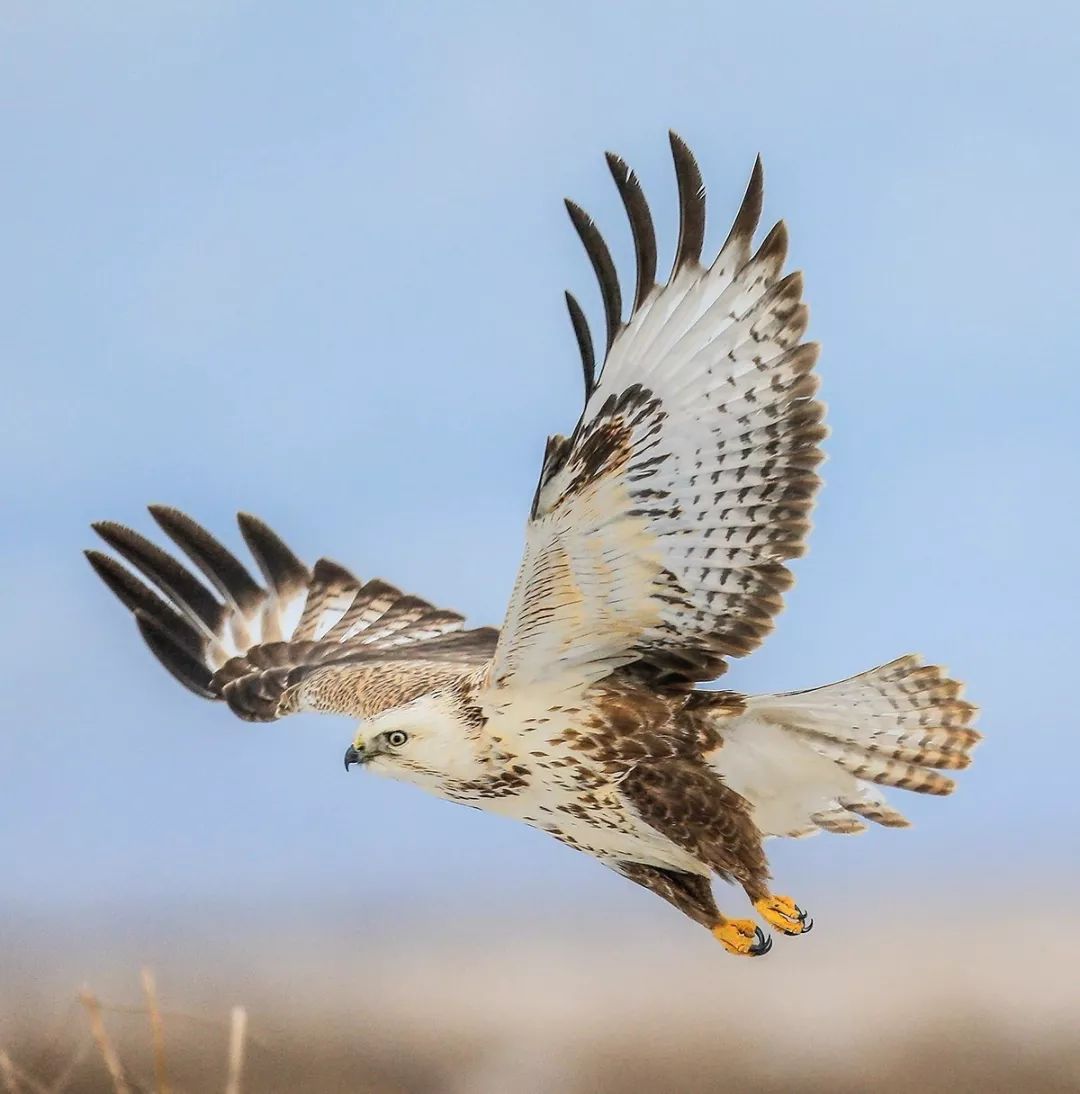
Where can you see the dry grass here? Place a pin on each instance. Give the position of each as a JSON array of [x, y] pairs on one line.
[[885, 1007], [958, 1057], [68, 1069]]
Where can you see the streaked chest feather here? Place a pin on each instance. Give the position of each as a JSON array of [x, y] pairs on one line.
[[560, 771]]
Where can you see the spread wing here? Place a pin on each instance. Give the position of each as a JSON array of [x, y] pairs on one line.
[[250, 644], [660, 529]]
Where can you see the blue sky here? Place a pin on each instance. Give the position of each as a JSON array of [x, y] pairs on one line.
[[310, 264]]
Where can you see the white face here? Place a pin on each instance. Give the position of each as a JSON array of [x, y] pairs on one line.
[[424, 743]]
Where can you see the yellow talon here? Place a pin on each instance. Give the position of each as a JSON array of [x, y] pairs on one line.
[[784, 914], [742, 936]]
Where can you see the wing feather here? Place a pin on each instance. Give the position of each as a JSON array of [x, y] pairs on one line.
[[584, 341], [641, 225], [691, 206], [660, 530], [603, 266], [255, 643]]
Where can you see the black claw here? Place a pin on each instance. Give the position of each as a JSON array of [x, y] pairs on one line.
[[762, 943], [806, 925]]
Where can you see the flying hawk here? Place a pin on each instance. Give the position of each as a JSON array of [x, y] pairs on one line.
[[656, 548]]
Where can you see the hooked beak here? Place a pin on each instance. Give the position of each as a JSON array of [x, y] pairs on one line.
[[353, 755]]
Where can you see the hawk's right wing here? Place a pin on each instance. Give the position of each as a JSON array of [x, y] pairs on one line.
[[250, 645]]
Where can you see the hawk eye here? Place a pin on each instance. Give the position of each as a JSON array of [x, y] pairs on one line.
[[397, 738]]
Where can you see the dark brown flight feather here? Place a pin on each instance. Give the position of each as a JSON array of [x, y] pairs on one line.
[[688, 251], [774, 246], [691, 205], [603, 266], [137, 597], [584, 342], [746, 219], [641, 225], [281, 569], [166, 573], [185, 666], [225, 572]]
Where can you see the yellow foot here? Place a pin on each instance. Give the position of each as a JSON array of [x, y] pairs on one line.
[[784, 914], [742, 936]]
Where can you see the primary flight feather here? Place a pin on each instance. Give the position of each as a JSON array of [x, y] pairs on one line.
[[656, 548]]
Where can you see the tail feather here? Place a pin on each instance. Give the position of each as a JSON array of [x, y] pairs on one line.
[[874, 808], [877, 765], [894, 725], [834, 819], [900, 724]]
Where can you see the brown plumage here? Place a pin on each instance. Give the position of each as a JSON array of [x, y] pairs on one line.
[[658, 546]]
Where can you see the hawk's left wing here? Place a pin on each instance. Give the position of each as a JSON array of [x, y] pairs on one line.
[[660, 530]]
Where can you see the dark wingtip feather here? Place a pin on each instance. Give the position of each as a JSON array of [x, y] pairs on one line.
[[584, 342], [691, 204], [279, 566], [775, 245], [128, 589], [328, 572], [164, 571], [137, 597], [641, 224], [191, 672], [602, 265], [220, 566], [749, 214]]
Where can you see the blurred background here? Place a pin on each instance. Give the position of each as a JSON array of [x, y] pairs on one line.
[[310, 263]]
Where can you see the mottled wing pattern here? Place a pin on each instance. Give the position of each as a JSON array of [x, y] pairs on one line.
[[660, 529], [689, 804], [234, 639]]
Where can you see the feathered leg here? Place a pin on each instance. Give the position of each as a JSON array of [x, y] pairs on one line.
[[692, 895]]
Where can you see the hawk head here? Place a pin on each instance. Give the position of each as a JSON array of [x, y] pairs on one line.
[[430, 741]]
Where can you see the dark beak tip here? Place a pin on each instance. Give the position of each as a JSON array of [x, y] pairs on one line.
[[352, 756]]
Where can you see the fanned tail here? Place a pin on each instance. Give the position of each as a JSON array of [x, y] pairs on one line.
[[812, 760]]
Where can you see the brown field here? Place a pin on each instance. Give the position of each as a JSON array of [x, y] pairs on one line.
[[904, 1004]]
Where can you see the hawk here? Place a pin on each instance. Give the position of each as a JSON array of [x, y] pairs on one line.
[[656, 549]]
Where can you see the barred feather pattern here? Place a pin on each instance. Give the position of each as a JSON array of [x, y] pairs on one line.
[[660, 530], [899, 725], [250, 644]]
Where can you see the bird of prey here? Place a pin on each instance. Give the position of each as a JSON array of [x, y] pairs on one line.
[[656, 549]]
